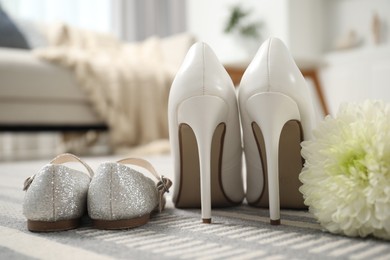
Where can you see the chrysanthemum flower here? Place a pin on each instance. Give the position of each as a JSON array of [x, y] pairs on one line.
[[346, 177]]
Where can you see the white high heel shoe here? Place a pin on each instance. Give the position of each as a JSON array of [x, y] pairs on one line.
[[276, 114], [204, 133]]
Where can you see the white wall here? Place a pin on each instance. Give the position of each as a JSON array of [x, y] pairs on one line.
[[305, 28], [298, 23], [206, 20], [341, 16], [363, 72], [310, 28]]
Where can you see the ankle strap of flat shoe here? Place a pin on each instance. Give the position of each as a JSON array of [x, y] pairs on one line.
[[163, 183], [68, 157], [60, 159]]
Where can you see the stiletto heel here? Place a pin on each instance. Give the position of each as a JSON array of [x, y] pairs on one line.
[[204, 132], [276, 115], [283, 110], [192, 113]]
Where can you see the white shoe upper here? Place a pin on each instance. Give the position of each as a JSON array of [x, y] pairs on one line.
[[201, 74], [272, 70]]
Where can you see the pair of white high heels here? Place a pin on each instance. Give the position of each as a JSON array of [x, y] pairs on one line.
[[116, 197], [204, 126]]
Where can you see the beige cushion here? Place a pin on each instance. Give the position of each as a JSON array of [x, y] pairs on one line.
[[35, 92]]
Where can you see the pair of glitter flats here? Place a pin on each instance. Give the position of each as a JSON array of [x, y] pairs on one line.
[[117, 196]]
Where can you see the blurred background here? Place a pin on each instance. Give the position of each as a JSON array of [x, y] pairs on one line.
[[92, 77]]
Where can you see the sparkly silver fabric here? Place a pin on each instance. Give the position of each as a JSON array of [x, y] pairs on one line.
[[56, 193], [119, 192]]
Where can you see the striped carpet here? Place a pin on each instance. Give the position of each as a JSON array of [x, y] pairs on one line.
[[236, 233]]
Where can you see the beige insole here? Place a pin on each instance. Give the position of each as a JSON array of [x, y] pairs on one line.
[[290, 165], [189, 193]]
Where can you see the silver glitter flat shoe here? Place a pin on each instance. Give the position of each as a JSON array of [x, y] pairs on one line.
[[120, 197], [56, 196]]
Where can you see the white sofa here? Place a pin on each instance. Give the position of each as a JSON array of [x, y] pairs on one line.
[[37, 95]]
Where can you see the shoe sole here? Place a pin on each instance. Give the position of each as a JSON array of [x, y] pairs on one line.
[[290, 166], [189, 191], [47, 226], [121, 224]]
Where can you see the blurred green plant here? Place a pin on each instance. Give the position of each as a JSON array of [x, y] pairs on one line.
[[239, 22]]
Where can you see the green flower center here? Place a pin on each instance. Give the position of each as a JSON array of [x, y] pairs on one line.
[[353, 165]]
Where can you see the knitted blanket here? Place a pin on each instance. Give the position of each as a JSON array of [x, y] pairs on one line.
[[127, 83]]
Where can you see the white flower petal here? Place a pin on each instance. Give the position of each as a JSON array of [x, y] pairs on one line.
[[346, 176]]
